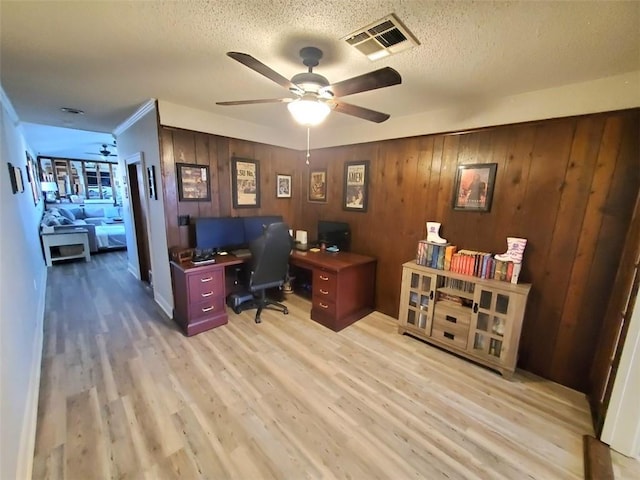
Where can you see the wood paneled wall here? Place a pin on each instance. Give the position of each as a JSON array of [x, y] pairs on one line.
[[567, 185]]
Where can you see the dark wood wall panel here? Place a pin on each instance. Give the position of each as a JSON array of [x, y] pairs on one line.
[[567, 185]]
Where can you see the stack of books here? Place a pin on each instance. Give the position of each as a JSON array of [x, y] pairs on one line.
[[466, 262]]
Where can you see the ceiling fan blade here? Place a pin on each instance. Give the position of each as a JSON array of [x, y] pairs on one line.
[[261, 68], [250, 102], [361, 112], [384, 77]]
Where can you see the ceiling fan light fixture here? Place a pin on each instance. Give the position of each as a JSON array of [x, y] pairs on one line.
[[308, 111]]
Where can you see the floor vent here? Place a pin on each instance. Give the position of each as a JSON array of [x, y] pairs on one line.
[[382, 38]]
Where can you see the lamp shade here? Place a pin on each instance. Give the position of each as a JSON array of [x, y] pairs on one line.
[[308, 110], [49, 186]]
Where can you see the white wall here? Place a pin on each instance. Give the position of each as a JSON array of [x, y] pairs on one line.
[[22, 292], [140, 134]]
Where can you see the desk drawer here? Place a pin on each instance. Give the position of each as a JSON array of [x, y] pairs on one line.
[[206, 285], [325, 285], [327, 307], [208, 308]]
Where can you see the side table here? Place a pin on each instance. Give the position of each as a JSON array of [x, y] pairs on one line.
[[65, 238]]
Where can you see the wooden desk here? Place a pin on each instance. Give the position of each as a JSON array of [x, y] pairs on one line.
[[199, 293], [343, 286]]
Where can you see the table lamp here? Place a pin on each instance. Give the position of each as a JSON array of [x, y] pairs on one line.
[[49, 189]]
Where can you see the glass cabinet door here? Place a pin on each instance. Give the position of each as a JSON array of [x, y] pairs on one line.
[[490, 325], [420, 301]]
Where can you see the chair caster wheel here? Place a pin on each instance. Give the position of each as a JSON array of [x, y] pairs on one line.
[[258, 320], [285, 311], [236, 311]]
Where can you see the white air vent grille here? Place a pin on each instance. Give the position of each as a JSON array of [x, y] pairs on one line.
[[384, 37]]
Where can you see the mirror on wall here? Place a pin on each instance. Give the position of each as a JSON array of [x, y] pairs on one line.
[[81, 181]]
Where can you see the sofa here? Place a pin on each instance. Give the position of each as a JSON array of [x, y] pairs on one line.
[[102, 221]]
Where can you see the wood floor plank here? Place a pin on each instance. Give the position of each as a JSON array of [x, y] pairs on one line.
[[124, 394]]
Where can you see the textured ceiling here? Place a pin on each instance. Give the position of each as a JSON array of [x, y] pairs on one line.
[[108, 58]]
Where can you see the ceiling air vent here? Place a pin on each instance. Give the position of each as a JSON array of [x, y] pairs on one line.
[[382, 38]]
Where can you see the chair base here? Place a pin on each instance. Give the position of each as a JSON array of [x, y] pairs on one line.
[[239, 302]]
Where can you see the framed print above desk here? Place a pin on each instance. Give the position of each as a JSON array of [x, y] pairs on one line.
[[318, 185], [245, 183], [193, 182]]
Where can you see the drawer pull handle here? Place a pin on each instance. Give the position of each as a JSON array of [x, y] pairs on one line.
[[448, 335], [205, 280], [207, 309], [451, 319], [324, 292], [208, 294], [322, 277], [322, 305]]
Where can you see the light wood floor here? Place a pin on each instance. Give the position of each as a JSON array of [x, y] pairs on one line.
[[125, 395]]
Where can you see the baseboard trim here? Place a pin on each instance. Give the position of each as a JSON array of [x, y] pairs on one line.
[[164, 305], [133, 271], [28, 434], [597, 460]]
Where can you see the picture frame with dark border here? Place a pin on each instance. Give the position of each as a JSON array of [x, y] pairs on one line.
[[473, 187], [245, 183], [34, 178], [318, 185], [151, 173], [283, 186], [15, 177], [355, 193], [194, 184]]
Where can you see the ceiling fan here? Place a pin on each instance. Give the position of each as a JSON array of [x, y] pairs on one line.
[[314, 97], [104, 152]]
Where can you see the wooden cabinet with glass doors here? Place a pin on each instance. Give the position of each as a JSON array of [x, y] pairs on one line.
[[475, 318]]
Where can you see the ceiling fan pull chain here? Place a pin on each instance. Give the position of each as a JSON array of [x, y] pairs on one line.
[[308, 155]]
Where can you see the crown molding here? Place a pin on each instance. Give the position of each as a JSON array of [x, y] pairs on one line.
[[142, 111], [8, 106]]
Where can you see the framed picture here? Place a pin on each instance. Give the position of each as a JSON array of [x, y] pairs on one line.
[[34, 178], [473, 189], [15, 176], [318, 185], [283, 186], [245, 183], [354, 190], [151, 174], [193, 182]]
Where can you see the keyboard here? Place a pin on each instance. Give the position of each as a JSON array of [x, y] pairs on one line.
[[203, 259], [241, 252]]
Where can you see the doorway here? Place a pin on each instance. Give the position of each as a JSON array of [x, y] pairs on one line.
[[140, 213]]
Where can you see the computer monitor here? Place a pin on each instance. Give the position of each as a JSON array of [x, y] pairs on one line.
[[219, 233], [335, 233], [254, 226]]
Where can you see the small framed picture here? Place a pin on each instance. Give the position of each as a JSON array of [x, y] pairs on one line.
[[283, 186], [473, 188], [318, 185], [193, 182], [354, 190], [245, 183], [151, 173]]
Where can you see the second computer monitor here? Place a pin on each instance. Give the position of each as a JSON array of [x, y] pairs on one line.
[[335, 233]]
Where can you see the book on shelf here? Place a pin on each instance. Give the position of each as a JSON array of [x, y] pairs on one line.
[[466, 262]]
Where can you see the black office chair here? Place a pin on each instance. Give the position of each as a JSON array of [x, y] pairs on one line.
[[269, 265]]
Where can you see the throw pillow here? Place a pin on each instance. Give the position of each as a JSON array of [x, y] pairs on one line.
[[65, 221], [93, 212], [68, 214]]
